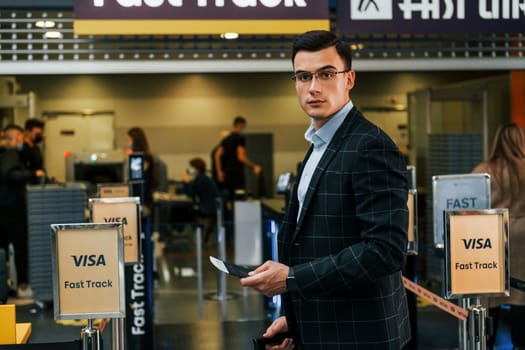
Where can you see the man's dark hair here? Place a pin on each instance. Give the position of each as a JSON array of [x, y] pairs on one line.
[[317, 40], [198, 164], [33, 123], [139, 140], [12, 127], [239, 120]]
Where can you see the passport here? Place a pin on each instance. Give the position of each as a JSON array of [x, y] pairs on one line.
[[231, 269]]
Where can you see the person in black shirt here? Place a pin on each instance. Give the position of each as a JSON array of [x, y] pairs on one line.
[[230, 158], [224, 134], [30, 152], [14, 175], [4, 143], [137, 142]]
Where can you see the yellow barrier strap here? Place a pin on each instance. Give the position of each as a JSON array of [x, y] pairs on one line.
[[436, 300], [518, 284], [103, 323]]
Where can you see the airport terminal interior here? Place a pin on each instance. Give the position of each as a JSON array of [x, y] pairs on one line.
[[438, 90]]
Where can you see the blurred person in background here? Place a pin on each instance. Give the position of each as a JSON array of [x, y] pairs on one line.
[[3, 141], [4, 242], [137, 142], [223, 134], [14, 175], [217, 155], [204, 192], [33, 137], [230, 159], [506, 167]]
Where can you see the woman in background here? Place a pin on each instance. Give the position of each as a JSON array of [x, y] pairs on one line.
[[506, 166], [137, 142]]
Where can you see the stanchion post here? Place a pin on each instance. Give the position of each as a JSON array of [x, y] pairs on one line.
[[476, 326], [220, 217], [117, 333], [221, 251], [90, 337], [198, 234], [463, 332]]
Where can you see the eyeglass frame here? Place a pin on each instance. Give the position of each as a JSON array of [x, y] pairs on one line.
[[315, 74]]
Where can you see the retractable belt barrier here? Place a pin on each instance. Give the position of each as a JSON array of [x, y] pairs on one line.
[[435, 299], [446, 305], [518, 284]]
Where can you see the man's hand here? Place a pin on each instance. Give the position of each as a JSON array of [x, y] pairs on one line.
[[186, 178], [257, 169], [279, 326], [269, 278]]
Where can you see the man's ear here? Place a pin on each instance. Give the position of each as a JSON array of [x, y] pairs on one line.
[[350, 80]]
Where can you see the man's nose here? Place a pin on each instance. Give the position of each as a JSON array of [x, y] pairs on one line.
[[315, 83]]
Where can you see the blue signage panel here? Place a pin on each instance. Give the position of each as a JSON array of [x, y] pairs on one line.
[[457, 192], [430, 16]]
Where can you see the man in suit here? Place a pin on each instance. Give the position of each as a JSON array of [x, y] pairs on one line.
[[343, 238]]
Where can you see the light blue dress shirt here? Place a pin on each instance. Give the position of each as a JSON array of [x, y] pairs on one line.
[[320, 140]]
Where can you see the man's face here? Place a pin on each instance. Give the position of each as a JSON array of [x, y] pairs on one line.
[[36, 134], [14, 137], [319, 98], [240, 127]]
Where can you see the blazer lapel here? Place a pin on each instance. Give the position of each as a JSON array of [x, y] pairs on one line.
[[293, 215], [325, 160]]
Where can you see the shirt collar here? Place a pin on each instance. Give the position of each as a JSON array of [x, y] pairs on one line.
[[325, 134]]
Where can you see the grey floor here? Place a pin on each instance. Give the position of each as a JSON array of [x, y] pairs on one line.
[[181, 323]]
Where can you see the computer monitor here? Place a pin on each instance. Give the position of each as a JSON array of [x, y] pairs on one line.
[[136, 166]]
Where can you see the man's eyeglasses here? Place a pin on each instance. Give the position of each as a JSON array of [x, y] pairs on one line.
[[322, 74]]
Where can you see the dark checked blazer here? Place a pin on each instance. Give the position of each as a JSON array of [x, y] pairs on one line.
[[347, 248]]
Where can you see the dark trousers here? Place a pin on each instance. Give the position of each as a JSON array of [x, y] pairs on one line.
[[208, 222], [13, 228], [517, 319]]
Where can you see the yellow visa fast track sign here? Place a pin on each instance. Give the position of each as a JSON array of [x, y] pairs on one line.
[[125, 210], [88, 271], [476, 243]]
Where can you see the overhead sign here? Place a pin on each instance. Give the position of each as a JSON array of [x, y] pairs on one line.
[[457, 192], [158, 17], [88, 271], [125, 211], [477, 253], [430, 16]]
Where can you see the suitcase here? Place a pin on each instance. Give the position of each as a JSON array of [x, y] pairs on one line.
[[4, 290]]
